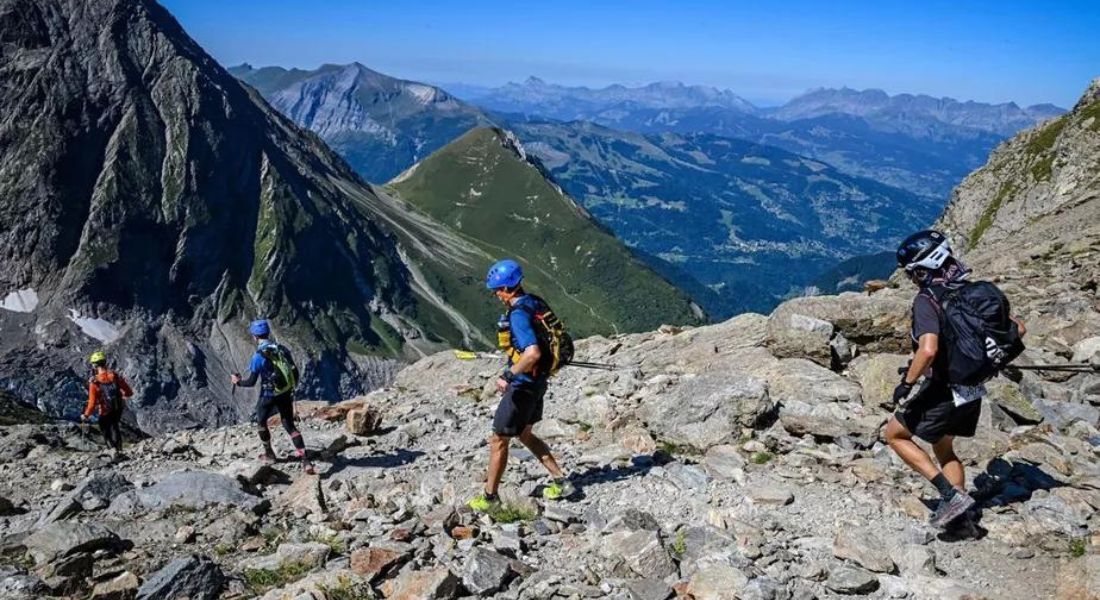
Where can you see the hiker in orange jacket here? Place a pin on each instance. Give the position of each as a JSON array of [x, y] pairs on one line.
[[106, 391]]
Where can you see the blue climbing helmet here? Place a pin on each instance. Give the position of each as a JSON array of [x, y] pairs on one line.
[[504, 274], [259, 327]]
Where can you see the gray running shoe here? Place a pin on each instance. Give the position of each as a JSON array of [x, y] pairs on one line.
[[949, 510]]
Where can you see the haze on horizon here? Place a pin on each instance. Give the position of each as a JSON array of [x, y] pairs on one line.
[[1027, 52]]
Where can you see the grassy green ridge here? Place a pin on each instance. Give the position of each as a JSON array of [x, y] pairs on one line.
[[481, 187]]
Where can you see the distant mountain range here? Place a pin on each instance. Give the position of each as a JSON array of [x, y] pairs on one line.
[[535, 96], [381, 125], [903, 111], [751, 222], [919, 143]]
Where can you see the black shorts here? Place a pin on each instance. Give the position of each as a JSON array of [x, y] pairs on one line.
[[932, 414], [265, 407], [521, 406]]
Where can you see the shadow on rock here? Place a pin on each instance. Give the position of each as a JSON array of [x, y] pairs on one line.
[[1011, 482], [398, 458]]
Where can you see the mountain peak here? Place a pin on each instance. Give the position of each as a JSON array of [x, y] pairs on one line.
[[534, 81]]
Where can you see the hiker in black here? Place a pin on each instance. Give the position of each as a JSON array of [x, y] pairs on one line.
[[934, 414], [522, 385], [263, 369]]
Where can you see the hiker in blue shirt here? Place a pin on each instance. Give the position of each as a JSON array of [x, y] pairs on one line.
[[522, 384], [273, 366]]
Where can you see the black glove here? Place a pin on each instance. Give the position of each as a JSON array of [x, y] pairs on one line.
[[902, 392]]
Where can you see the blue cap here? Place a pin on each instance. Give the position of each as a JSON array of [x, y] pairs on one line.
[[504, 274], [259, 327]]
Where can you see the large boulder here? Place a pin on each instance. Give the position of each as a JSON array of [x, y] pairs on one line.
[[706, 410], [878, 375], [187, 490], [793, 334], [802, 380], [61, 539], [876, 323], [831, 421], [189, 577]]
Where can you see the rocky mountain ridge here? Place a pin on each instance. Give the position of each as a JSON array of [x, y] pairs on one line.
[[489, 189], [379, 124]]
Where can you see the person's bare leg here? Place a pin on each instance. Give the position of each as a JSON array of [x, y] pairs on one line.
[[540, 450], [950, 464], [498, 458], [901, 442]]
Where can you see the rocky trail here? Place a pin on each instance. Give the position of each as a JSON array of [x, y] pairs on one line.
[[739, 460]]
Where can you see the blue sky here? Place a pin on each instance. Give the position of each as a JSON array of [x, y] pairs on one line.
[[1028, 52]]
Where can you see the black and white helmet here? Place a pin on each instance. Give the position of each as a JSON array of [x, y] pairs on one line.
[[927, 249]]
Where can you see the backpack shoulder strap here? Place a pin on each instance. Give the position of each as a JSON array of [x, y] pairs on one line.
[[935, 296]]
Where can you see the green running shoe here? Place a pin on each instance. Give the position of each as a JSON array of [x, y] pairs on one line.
[[483, 503], [558, 489]]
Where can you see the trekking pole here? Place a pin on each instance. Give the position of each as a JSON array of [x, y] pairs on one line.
[[1069, 368], [596, 366]]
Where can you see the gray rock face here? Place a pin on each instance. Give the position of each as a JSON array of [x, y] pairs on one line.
[[708, 409], [642, 552], [848, 580], [61, 539], [798, 335], [486, 572], [192, 490], [189, 577]]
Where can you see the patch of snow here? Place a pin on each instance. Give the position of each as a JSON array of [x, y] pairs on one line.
[[21, 301], [423, 93], [102, 330]]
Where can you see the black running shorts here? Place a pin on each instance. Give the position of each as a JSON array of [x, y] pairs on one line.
[[932, 414], [521, 406]]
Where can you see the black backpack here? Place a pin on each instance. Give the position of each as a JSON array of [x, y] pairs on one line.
[[555, 343], [110, 397], [980, 338]]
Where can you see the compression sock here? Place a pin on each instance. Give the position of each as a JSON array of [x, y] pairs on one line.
[[944, 486]]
